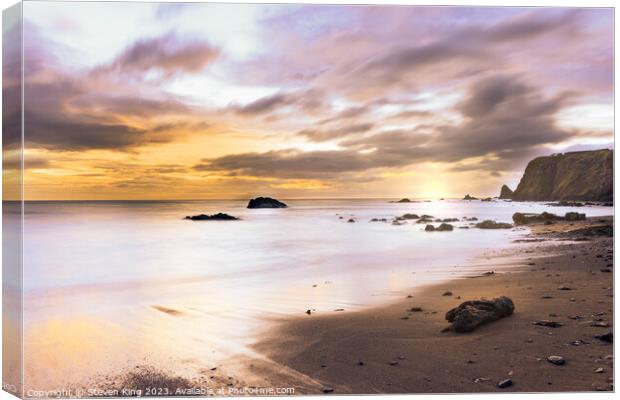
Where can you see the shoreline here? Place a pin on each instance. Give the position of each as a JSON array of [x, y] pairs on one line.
[[391, 349]]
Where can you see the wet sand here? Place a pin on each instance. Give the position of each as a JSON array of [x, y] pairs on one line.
[[394, 350]]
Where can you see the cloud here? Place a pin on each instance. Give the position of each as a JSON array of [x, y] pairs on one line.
[[307, 100], [317, 135], [167, 55], [504, 121]]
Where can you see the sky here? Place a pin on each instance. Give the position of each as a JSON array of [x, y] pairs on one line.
[[199, 101]]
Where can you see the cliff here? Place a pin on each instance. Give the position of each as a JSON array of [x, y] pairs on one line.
[[583, 175]]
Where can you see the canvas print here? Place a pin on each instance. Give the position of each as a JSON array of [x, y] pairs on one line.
[[205, 199]]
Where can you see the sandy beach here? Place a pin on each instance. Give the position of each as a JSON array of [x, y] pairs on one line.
[[392, 349]]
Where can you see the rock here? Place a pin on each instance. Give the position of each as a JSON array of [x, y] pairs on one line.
[[441, 228], [468, 197], [416, 309], [556, 360], [214, 217], [505, 192], [408, 216], [581, 176], [548, 323], [328, 389], [471, 314], [574, 216], [564, 287], [606, 337], [308, 312], [600, 324], [599, 370], [351, 220], [487, 199], [405, 200], [504, 384], [488, 224], [448, 293], [265, 202]]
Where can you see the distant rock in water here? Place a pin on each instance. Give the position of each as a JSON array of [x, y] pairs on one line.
[[488, 224], [265, 202], [405, 200], [441, 228], [505, 193], [581, 175], [471, 314], [214, 217], [468, 197]]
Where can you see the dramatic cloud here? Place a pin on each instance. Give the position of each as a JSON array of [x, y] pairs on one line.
[[167, 55], [504, 121]]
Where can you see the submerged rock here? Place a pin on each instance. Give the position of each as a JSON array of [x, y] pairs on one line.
[[471, 314], [488, 224], [214, 217], [265, 202]]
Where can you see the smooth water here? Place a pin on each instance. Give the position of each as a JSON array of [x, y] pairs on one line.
[[123, 282]]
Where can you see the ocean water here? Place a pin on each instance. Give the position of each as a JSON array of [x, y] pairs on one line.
[[119, 283]]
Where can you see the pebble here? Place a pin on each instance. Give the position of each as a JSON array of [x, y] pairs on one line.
[[599, 370], [556, 360], [328, 389], [504, 384]]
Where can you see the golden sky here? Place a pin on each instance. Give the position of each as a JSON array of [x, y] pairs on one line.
[[194, 101]]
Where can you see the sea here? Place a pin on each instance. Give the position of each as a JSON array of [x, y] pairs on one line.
[[108, 285]]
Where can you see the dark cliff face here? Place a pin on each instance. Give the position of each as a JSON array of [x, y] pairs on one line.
[[583, 175], [505, 193]]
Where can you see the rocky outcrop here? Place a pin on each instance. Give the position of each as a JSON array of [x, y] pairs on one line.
[[214, 217], [405, 200], [583, 175], [505, 192], [265, 202], [468, 197], [524, 218], [471, 314]]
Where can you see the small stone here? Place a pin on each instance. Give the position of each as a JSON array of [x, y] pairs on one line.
[[556, 360], [564, 287], [416, 309], [393, 363], [600, 324], [448, 293], [308, 312], [504, 384], [548, 323], [478, 380], [360, 363], [328, 389], [599, 370], [607, 337]]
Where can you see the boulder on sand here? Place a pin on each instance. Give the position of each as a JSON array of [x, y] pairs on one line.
[[214, 217], [471, 314], [265, 202]]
